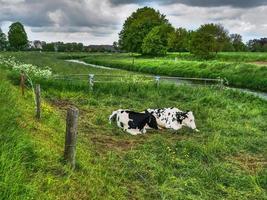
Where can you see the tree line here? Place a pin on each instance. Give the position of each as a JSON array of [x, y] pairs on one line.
[[17, 39], [148, 32]]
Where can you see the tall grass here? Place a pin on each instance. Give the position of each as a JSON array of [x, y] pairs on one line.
[[17, 155]]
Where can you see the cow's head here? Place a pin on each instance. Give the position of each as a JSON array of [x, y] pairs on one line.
[[187, 119], [151, 120]]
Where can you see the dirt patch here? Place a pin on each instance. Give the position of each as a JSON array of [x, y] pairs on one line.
[[107, 143], [263, 63], [59, 103], [249, 162]]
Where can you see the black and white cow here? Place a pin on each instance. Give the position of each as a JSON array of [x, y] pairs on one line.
[[133, 122], [173, 118]]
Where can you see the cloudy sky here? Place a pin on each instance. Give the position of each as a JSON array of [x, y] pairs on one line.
[[99, 21]]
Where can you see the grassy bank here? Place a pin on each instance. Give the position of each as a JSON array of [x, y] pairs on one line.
[[226, 160], [242, 75], [226, 56], [17, 155]]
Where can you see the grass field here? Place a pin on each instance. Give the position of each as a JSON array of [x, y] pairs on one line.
[[226, 160]]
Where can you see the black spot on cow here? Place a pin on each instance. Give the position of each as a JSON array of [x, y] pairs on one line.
[[181, 116], [121, 125], [139, 120]]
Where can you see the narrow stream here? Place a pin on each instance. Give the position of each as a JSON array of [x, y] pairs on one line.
[[91, 65], [262, 95]]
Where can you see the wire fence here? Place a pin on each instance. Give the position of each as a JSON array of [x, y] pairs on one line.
[[110, 78]]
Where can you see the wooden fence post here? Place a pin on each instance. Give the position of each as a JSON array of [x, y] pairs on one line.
[[91, 81], [157, 78], [22, 83], [71, 136], [38, 100]]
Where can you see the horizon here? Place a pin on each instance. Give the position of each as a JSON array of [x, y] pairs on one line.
[[93, 22]]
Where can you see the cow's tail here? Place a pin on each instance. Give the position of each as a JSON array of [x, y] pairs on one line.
[[113, 116]]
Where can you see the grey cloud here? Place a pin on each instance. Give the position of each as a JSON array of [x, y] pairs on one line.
[[96, 31], [60, 14], [199, 3]]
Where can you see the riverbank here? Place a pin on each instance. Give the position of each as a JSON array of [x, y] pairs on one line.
[[237, 74], [177, 81]]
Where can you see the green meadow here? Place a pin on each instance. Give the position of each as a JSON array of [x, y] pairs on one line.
[[225, 160]]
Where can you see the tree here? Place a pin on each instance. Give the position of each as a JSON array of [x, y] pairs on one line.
[[209, 39], [155, 43], [115, 46], [3, 41], [17, 36], [137, 26], [178, 40], [48, 46], [236, 41], [257, 45]]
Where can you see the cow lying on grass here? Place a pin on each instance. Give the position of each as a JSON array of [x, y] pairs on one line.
[[173, 118], [133, 122]]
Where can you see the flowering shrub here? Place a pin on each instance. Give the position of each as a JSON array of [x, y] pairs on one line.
[[29, 69]]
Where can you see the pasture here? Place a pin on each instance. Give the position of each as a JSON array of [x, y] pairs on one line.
[[225, 160]]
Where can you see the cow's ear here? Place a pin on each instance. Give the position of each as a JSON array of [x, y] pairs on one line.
[[184, 115]]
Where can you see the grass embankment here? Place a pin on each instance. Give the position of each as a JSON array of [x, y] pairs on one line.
[[226, 160], [226, 56], [17, 155], [243, 75]]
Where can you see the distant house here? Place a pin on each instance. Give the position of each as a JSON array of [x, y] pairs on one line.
[[37, 44]]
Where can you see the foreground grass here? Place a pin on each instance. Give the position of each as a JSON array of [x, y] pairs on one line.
[[17, 156], [226, 160]]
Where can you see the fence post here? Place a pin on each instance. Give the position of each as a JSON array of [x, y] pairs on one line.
[[157, 78], [38, 100], [221, 82], [91, 81], [71, 136], [22, 83]]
